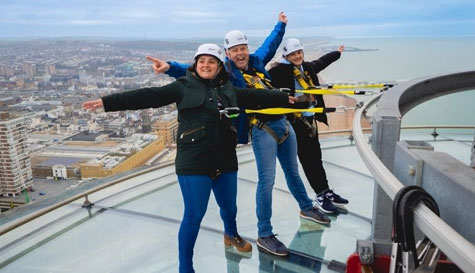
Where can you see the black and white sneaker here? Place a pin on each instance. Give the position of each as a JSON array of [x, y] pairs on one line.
[[336, 199], [324, 203]]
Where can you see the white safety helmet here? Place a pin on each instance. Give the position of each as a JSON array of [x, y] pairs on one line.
[[210, 49], [291, 45], [233, 38]]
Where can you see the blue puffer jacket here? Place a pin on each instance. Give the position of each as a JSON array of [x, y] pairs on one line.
[[257, 60]]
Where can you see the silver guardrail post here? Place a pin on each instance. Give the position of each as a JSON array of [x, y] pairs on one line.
[[87, 203]]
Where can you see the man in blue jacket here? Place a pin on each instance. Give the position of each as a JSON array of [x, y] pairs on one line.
[[272, 136]]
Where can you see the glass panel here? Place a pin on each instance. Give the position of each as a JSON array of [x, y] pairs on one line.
[[133, 227], [110, 242], [347, 157], [458, 150], [456, 145], [121, 241], [34, 232]]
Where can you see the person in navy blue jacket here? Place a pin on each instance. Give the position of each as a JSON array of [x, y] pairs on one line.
[[294, 73], [272, 136]]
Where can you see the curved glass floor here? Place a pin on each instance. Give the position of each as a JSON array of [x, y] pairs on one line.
[[133, 226]]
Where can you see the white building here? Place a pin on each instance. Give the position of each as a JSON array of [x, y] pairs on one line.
[[59, 172]]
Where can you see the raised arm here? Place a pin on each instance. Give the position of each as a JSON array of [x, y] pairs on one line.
[[268, 48]]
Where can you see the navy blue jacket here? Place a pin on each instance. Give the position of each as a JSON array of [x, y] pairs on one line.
[[284, 76]]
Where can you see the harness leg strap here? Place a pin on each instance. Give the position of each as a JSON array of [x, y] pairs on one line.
[[261, 125]]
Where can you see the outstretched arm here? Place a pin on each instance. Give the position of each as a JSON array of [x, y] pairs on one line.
[[92, 105], [267, 50], [177, 69], [138, 99], [173, 69], [159, 66], [258, 98], [327, 59]]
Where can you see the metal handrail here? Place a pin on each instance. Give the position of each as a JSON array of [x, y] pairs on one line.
[[437, 127], [456, 247], [408, 127]]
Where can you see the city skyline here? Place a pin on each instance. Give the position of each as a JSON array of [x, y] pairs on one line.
[[192, 19]]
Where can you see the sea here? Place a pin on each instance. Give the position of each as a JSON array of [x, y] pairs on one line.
[[394, 60]]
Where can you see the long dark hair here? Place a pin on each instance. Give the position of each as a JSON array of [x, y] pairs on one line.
[[220, 79]]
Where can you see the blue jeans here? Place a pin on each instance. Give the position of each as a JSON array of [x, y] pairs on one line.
[[196, 190], [266, 150]]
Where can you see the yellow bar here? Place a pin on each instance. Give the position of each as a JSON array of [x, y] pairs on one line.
[[283, 111], [337, 86], [326, 92]]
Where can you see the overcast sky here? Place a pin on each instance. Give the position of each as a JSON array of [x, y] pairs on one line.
[[160, 19]]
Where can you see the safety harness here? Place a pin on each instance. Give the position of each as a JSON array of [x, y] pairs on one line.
[[259, 81], [261, 125], [306, 82]]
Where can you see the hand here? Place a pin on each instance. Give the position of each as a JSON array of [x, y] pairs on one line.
[[92, 105], [159, 66], [282, 17], [292, 99], [341, 48]]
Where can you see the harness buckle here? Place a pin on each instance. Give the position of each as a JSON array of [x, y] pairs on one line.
[[286, 90], [260, 124], [230, 112]]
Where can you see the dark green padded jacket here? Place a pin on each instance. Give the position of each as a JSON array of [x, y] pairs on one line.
[[206, 140]]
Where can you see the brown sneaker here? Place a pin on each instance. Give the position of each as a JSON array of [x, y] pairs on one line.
[[238, 242]]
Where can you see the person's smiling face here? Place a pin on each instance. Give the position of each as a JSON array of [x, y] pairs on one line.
[[239, 54], [207, 66], [296, 57]]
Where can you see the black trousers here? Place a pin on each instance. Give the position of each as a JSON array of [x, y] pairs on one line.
[[310, 155]]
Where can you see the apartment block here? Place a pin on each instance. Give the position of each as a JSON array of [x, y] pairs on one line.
[[15, 165]]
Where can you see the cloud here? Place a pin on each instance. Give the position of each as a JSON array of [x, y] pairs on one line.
[[202, 18], [92, 22], [197, 17], [421, 28]]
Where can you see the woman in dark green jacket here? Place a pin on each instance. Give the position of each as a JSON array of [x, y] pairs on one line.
[[206, 146]]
